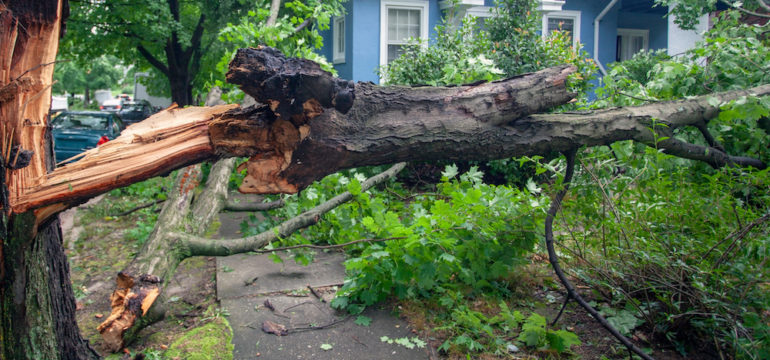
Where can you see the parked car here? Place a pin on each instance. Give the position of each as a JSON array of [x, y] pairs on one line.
[[75, 132], [135, 111], [112, 105]]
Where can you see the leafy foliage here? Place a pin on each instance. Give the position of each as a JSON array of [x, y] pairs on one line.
[[79, 76], [458, 56], [508, 44], [288, 34], [675, 238], [183, 31]]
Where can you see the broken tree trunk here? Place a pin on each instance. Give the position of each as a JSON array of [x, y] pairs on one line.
[[316, 124], [37, 305]]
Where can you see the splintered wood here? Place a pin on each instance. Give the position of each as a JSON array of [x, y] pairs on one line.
[[166, 141], [131, 299]]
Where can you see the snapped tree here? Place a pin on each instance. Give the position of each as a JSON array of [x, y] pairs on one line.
[[313, 125]]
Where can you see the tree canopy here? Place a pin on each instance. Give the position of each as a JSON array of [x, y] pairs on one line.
[[176, 39]]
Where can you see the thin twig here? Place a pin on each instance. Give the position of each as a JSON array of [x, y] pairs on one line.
[[741, 233], [335, 322], [316, 294]]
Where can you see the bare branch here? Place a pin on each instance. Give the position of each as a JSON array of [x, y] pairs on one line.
[[252, 206], [304, 24], [222, 247], [275, 6]]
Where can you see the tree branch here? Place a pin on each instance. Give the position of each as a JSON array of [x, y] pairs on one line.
[[152, 60], [252, 206], [198, 246], [275, 6], [363, 124], [749, 12], [304, 24], [554, 260], [703, 128], [195, 41]]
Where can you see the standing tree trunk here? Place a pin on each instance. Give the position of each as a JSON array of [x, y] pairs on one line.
[[181, 63], [37, 305], [86, 96]]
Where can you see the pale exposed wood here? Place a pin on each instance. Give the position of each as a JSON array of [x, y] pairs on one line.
[[132, 299], [166, 141], [37, 306]]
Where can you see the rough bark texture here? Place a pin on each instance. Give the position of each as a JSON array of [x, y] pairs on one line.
[[37, 305], [314, 125]]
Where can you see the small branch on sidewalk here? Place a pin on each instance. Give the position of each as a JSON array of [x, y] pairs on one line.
[[316, 294], [252, 206], [200, 246]]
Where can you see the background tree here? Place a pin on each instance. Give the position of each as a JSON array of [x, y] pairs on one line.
[[176, 39], [84, 77]]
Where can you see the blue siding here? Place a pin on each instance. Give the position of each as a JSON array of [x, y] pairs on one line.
[[362, 53], [363, 31], [366, 40], [345, 70]]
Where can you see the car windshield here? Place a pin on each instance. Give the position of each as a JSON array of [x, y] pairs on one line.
[[133, 108], [80, 122]]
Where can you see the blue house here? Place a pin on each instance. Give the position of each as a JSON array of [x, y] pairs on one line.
[[372, 32]]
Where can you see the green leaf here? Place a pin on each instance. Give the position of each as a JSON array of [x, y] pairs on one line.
[[450, 171], [363, 320], [354, 187], [625, 321], [275, 258], [326, 347], [562, 340]]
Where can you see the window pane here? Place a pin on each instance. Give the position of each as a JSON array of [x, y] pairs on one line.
[[403, 24], [394, 51], [562, 24], [340, 36]]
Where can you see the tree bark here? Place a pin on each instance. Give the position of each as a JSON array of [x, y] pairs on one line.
[[37, 305], [314, 125]]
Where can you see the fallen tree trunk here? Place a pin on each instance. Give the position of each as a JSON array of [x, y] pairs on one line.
[[316, 125]]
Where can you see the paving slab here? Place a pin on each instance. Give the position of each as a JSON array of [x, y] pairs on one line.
[[347, 339], [236, 274]]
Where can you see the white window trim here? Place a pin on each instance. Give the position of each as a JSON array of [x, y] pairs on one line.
[[400, 4], [480, 11], [564, 14], [338, 57]]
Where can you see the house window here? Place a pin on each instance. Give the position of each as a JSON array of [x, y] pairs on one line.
[[339, 40], [630, 42], [567, 21], [399, 21]]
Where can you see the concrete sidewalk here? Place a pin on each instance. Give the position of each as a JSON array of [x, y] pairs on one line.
[[254, 289]]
